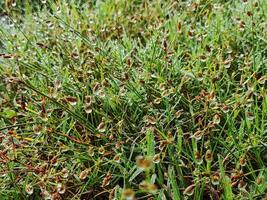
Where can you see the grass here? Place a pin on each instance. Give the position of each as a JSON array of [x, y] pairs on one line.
[[133, 99]]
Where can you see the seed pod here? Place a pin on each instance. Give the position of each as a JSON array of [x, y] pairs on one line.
[[88, 99], [101, 150], [91, 151], [163, 144], [148, 187], [71, 100], [37, 129], [128, 194], [46, 195], [216, 118], [83, 175], [189, 191], [260, 180], [215, 179], [250, 116], [106, 180], [61, 189], [150, 120], [64, 173], [117, 158], [242, 184], [242, 161], [88, 108], [178, 113], [29, 189], [198, 158], [143, 163], [101, 127], [208, 156], [197, 135], [156, 158], [96, 88], [157, 100]]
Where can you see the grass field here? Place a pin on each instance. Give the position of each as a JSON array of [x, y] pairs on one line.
[[133, 99]]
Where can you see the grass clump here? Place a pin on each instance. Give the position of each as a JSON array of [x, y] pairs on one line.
[[133, 100]]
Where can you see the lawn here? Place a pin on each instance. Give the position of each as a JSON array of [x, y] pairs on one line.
[[133, 99]]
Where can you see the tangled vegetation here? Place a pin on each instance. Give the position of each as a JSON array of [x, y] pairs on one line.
[[133, 99]]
